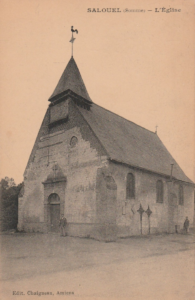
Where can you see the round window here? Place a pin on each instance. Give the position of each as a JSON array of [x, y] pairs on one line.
[[73, 141]]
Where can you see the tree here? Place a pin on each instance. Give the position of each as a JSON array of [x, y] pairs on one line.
[[7, 182], [9, 192]]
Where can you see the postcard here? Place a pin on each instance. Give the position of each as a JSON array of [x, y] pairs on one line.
[[97, 149]]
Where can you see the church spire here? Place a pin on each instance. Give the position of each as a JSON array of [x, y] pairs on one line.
[[71, 82]]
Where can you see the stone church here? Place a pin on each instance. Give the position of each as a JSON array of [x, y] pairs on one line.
[[109, 176]]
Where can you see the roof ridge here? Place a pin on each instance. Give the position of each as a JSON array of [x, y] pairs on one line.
[[125, 118]]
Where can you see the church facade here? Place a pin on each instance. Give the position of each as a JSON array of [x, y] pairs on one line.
[[110, 177]]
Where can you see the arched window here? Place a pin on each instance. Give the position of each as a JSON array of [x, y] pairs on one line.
[[73, 141], [159, 191], [181, 194], [130, 187]]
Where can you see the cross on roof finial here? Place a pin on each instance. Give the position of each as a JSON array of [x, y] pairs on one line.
[[55, 168], [156, 128], [72, 39]]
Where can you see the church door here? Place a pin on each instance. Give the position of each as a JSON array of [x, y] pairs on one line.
[[54, 205]]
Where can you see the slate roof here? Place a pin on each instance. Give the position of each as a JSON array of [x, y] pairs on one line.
[[126, 142], [71, 80], [123, 140]]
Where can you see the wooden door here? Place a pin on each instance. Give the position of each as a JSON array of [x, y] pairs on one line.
[[55, 217]]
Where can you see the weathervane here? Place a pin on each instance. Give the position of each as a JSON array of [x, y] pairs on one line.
[[72, 39]]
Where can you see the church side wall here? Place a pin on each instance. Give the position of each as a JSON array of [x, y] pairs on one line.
[[78, 163], [128, 217]]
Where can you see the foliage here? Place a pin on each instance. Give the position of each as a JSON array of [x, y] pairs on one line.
[[7, 182], [9, 192]]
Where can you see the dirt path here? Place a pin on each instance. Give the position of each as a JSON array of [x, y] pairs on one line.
[[160, 267]]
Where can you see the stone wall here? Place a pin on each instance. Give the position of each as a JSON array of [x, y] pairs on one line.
[[128, 219], [106, 204], [78, 164]]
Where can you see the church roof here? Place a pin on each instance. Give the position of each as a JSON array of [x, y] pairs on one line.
[[126, 142], [71, 80]]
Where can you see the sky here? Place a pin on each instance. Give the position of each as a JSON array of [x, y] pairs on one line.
[[139, 65]]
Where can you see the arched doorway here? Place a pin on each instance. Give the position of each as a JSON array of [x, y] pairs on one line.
[[54, 208]]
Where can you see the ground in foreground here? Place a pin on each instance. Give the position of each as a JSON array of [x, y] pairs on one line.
[[155, 267]]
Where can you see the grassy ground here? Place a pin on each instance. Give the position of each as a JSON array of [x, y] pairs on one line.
[[155, 267]]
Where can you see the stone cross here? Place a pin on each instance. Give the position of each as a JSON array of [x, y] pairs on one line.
[[140, 211], [148, 212]]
